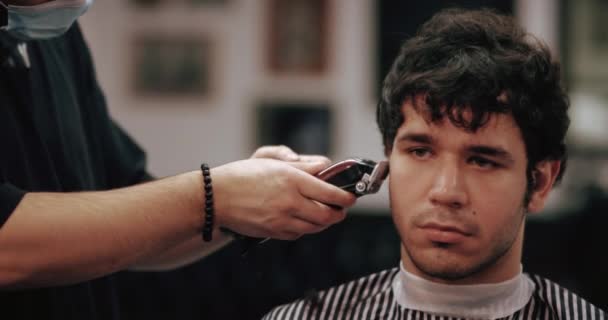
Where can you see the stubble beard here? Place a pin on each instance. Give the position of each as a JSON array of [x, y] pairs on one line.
[[456, 272]]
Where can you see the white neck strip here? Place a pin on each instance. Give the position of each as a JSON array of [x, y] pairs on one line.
[[480, 301]]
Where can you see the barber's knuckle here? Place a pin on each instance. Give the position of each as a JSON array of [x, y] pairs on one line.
[[285, 202], [290, 179]]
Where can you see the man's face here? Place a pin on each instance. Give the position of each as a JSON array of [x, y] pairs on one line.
[[457, 197]]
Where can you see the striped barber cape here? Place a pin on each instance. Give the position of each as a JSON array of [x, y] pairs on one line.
[[372, 297]]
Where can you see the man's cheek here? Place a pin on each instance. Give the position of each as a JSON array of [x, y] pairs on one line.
[[399, 216]]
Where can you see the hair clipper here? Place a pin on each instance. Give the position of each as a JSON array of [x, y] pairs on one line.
[[355, 175]]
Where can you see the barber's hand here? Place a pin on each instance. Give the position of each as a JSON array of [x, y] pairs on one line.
[[271, 198]]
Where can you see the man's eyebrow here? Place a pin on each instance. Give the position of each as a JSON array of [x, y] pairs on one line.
[[492, 151], [480, 149], [416, 137]]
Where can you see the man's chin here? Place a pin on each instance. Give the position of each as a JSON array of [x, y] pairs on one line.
[[447, 272], [444, 266], [451, 268]]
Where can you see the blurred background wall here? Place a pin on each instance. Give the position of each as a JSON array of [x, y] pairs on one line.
[[211, 80]]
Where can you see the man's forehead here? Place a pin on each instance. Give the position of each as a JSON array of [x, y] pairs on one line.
[[497, 128], [418, 111]]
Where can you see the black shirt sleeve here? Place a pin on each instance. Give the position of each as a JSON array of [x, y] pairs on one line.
[[124, 161], [10, 196], [63, 138]]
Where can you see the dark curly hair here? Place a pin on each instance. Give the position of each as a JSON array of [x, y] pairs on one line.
[[463, 60]]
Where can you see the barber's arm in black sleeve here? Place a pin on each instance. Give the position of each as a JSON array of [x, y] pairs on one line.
[[124, 160]]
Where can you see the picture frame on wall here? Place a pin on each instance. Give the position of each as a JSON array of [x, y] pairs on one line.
[[172, 65], [304, 127], [297, 33]]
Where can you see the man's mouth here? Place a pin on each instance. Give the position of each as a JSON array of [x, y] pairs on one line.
[[444, 233]]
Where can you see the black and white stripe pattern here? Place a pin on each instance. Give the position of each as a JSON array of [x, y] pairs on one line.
[[371, 297]]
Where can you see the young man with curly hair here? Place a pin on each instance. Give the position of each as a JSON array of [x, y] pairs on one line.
[[473, 120]]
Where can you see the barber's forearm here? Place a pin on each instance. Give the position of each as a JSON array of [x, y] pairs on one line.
[[62, 238], [183, 254]]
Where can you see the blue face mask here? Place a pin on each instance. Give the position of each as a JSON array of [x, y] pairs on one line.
[[43, 21]]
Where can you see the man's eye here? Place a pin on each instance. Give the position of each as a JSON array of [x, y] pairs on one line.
[[483, 163], [420, 152]]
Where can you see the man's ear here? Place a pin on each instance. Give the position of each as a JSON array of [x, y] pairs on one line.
[[543, 178]]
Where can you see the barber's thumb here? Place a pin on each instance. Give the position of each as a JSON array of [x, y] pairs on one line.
[[312, 167], [283, 153]]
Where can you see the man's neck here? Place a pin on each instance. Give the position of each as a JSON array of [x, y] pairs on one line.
[[486, 301], [505, 268]]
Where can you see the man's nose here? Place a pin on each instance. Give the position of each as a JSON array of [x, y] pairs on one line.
[[449, 187]]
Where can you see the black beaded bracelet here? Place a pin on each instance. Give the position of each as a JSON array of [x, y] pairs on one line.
[[208, 227]]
